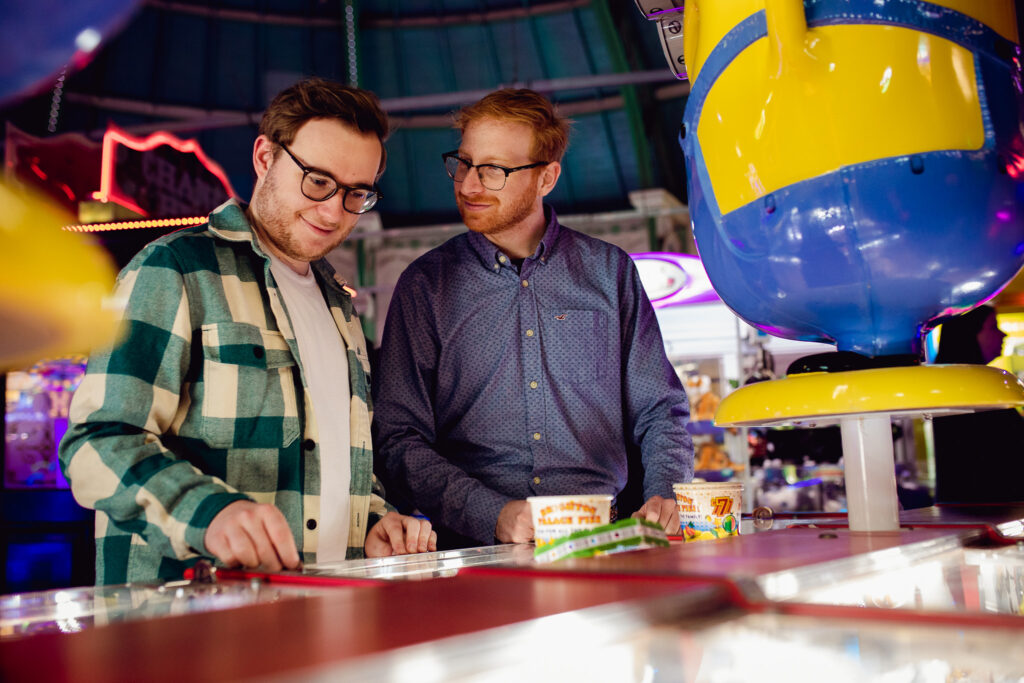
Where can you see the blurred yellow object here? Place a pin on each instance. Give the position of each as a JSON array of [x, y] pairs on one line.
[[54, 286], [822, 397]]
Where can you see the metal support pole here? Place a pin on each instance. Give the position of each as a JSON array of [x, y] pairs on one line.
[[870, 473]]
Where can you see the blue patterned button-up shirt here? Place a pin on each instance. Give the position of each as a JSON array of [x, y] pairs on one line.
[[497, 383]]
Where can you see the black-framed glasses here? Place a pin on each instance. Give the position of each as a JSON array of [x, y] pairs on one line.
[[320, 186], [492, 176]]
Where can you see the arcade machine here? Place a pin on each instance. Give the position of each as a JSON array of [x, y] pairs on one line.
[[873, 193], [52, 289], [824, 229], [125, 191]]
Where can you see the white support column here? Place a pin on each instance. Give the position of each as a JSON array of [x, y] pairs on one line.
[[870, 472]]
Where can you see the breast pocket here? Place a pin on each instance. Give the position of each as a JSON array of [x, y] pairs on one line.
[[575, 343], [249, 396]]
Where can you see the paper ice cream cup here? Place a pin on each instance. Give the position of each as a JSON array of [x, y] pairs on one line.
[[709, 510], [558, 516]]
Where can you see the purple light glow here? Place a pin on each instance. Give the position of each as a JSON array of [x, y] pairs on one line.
[[774, 331], [660, 271]]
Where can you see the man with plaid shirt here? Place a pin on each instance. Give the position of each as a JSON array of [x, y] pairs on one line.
[[232, 420]]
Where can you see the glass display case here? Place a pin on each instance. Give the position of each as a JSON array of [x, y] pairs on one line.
[[36, 417], [75, 609], [46, 538], [422, 566], [623, 643], [911, 622], [938, 604], [956, 574]]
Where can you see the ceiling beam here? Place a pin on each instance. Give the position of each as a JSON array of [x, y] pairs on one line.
[[183, 118], [369, 21], [477, 17], [245, 15]]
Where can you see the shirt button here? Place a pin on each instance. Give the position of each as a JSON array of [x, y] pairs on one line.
[[533, 384], [257, 351], [536, 480], [496, 266], [501, 258], [310, 524], [536, 436], [526, 283], [309, 444], [529, 333]]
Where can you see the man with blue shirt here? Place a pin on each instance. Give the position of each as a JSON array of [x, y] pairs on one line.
[[523, 358]]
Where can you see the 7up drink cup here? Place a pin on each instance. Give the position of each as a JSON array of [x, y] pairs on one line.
[[558, 516], [709, 510]]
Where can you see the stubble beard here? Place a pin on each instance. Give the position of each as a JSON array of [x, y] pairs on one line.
[[273, 224], [508, 216]]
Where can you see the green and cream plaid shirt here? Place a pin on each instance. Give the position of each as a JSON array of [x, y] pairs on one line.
[[203, 402]]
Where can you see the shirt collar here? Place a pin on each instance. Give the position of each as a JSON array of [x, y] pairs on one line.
[[230, 222], [489, 254]]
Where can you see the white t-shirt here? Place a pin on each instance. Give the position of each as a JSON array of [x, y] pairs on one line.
[[325, 366]]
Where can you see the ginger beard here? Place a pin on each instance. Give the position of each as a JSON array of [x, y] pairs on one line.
[[505, 143], [508, 209]]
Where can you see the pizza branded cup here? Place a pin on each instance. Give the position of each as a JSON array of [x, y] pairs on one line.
[[558, 516], [709, 510]]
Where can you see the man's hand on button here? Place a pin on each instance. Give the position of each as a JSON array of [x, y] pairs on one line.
[[397, 534], [252, 535], [515, 523], [661, 510]]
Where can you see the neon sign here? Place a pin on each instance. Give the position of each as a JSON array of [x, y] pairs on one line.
[[154, 177]]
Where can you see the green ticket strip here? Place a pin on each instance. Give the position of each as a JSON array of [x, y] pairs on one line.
[[621, 536]]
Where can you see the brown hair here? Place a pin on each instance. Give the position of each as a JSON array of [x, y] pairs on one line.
[[316, 98], [550, 130]]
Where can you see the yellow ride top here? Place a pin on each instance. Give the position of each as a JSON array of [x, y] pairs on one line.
[[820, 398]]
